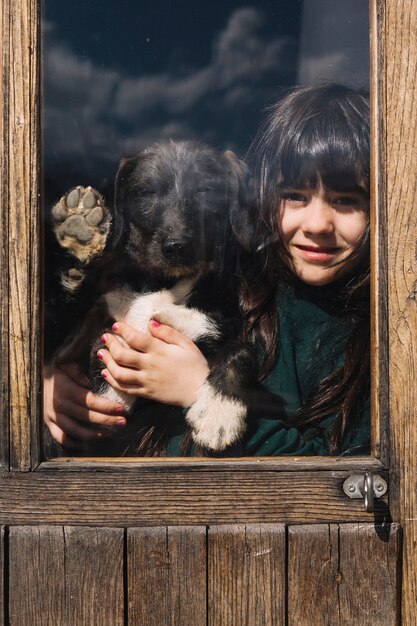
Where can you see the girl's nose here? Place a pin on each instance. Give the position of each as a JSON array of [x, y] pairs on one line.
[[318, 217]]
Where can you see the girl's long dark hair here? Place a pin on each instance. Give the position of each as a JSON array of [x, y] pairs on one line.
[[314, 135]]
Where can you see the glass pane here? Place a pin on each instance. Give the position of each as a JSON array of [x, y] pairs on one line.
[[117, 78]]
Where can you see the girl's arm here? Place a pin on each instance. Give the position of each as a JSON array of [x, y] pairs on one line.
[[72, 412], [165, 366]]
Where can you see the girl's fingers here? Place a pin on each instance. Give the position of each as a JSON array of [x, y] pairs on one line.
[[130, 388], [101, 405], [83, 414], [75, 430], [134, 338], [169, 334], [123, 375], [121, 354], [77, 402]]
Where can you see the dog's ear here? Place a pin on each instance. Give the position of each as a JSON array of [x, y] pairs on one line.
[[126, 168], [243, 209]]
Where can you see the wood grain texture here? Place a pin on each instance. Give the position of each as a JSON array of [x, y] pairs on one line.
[[197, 464], [313, 568], [177, 497], [61, 576], [36, 576], [21, 332], [94, 576], [379, 241], [4, 221], [343, 575], [167, 576], [369, 564], [246, 575], [3, 601], [399, 50]]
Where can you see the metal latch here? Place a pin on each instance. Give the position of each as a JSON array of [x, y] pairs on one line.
[[366, 486]]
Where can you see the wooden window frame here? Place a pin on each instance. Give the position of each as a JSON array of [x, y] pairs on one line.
[[121, 492]]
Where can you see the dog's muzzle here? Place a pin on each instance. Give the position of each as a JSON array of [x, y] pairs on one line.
[[178, 251]]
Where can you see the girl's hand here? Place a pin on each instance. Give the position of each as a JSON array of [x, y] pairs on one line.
[[166, 366], [69, 405]]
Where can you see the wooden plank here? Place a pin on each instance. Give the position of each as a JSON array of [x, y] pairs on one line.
[[177, 498], [379, 240], [2, 576], [148, 565], [195, 464], [246, 575], [61, 576], [94, 576], [166, 576], [4, 229], [36, 576], [370, 568], [313, 575], [399, 49], [343, 575], [21, 201]]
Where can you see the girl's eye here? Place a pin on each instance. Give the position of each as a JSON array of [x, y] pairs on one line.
[[349, 202], [294, 197]]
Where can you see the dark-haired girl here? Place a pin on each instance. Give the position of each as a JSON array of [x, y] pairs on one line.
[[304, 294]]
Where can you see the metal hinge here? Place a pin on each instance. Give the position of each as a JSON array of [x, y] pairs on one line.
[[366, 486]]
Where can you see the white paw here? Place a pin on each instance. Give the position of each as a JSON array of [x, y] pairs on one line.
[[216, 421], [190, 322]]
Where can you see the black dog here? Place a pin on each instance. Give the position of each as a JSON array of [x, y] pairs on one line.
[[170, 252]]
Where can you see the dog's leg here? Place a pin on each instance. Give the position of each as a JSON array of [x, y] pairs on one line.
[[81, 223], [218, 416], [216, 420]]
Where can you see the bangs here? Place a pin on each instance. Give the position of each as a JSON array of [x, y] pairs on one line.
[[325, 149]]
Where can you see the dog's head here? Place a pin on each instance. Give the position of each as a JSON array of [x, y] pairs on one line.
[[177, 204]]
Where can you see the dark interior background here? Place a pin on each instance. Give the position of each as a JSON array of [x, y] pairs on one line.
[[118, 75]]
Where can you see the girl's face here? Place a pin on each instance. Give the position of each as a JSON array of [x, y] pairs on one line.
[[320, 228]]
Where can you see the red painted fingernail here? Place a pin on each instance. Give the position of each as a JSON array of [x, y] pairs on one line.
[[104, 375], [120, 409], [121, 422], [155, 324], [100, 355], [116, 326], [104, 339]]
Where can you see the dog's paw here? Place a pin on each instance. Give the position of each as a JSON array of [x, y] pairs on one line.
[[216, 421], [81, 223]]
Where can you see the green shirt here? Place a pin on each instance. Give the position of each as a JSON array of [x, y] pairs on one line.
[[312, 343]]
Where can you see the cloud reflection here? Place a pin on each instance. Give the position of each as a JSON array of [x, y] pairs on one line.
[[95, 112]]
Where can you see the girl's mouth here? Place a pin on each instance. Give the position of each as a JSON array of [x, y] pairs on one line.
[[317, 253]]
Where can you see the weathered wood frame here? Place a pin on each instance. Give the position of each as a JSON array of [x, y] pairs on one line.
[[123, 492]]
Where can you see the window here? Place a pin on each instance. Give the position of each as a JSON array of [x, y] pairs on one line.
[[125, 79]]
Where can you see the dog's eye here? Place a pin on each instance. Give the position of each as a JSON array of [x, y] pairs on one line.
[[203, 189], [145, 193]]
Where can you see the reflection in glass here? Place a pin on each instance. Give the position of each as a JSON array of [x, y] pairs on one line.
[[118, 77]]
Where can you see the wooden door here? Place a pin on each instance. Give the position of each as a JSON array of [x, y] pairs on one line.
[[265, 541]]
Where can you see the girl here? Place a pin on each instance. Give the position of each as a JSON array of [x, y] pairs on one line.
[[304, 295]]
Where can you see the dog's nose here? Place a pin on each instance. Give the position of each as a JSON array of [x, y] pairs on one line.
[[176, 249]]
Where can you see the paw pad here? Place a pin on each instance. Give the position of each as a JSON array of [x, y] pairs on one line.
[[81, 223]]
